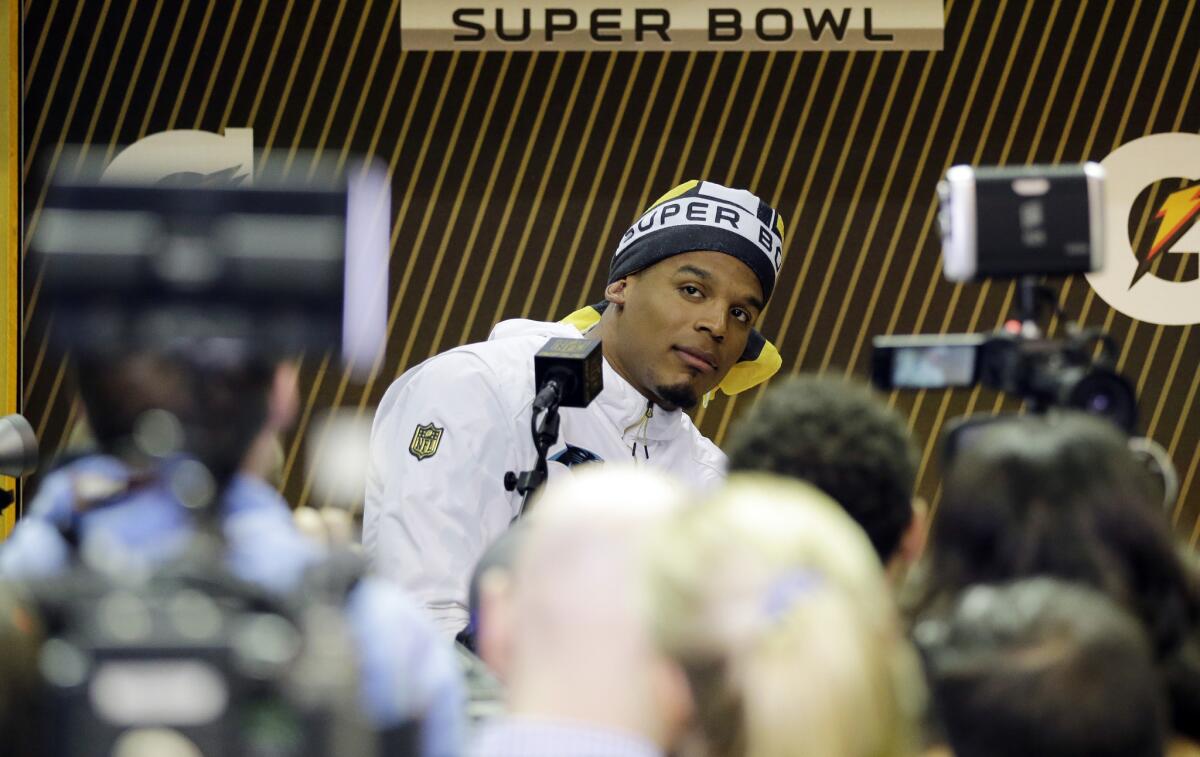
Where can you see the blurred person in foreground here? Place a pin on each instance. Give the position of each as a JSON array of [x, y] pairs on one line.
[[843, 439], [123, 509], [1043, 668], [492, 581], [20, 711], [570, 627], [687, 283], [776, 608], [1062, 496]]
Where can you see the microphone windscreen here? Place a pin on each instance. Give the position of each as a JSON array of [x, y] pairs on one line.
[[578, 359], [18, 446]]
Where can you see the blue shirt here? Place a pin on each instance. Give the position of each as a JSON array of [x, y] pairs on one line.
[[406, 671]]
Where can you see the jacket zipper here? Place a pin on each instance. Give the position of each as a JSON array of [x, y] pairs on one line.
[[642, 428]]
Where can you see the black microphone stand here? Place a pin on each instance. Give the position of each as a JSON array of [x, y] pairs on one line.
[[545, 434]]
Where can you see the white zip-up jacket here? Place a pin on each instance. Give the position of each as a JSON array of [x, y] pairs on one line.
[[448, 430]]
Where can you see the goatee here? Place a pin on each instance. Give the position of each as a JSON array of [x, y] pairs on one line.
[[680, 397]]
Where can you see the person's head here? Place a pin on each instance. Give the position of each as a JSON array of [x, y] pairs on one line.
[[487, 595], [1059, 496], [773, 603], [221, 409], [685, 289], [578, 641], [227, 399], [117, 391], [1046, 668], [848, 443]]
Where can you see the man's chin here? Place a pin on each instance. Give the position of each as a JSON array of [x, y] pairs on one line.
[[677, 397]]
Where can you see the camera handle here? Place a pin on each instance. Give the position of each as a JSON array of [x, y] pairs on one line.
[[1033, 299]]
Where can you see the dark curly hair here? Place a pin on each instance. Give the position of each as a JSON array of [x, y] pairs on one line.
[[843, 439], [222, 407], [1043, 667], [1060, 496]]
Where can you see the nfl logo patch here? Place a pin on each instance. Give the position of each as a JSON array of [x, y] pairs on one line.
[[425, 441]]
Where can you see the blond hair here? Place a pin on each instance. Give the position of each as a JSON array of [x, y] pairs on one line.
[[777, 608], [581, 647]]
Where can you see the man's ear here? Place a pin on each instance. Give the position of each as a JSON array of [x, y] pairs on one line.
[[495, 629], [677, 706], [615, 292], [912, 542]]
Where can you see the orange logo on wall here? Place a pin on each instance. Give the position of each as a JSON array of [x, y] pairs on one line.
[[1175, 217]]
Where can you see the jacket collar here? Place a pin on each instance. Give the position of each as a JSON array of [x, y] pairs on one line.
[[625, 406]]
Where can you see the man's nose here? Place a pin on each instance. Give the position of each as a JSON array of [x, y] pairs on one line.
[[715, 321]]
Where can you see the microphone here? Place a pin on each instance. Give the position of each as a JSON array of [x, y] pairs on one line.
[[567, 373], [18, 446]]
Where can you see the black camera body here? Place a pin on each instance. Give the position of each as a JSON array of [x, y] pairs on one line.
[[262, 270], [1017, 223], [1045, 372], [196, 660], [186, 658]]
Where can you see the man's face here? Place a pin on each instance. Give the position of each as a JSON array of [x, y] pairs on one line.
[[682, 324]]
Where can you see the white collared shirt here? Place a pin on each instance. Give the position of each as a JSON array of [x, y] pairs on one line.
[[448, 430], [530, 737]]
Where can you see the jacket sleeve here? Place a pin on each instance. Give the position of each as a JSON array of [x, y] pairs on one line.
[[440, 446]]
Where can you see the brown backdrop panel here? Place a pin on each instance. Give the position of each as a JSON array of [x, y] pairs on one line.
[[514, 173]]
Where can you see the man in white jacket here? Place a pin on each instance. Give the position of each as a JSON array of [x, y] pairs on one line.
[[686, 285]]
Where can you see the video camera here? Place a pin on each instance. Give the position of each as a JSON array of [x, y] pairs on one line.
[[996, 223], [219, 275], [269, 268], [194, 662]]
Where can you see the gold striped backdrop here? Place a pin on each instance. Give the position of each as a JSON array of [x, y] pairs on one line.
[[513, 174]]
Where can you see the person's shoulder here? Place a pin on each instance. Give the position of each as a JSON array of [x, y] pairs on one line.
[[496, 359], [250, 494], [507, 358], [389, 606], [511, 345], [264, 545], [88, 476], [394, 630], [503, 362]]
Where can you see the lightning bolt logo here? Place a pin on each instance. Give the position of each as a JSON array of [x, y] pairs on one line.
[[1177, 213]]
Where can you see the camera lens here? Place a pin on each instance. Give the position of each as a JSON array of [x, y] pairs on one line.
[[1106, 394], [1100, 403]]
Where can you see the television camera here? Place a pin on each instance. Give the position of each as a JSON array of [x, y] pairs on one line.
[[219, 276], [1023, 223]]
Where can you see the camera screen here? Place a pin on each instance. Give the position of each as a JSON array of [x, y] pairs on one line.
[[933, 366]]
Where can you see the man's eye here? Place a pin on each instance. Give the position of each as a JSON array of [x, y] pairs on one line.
[[690, 290], [741, 315]]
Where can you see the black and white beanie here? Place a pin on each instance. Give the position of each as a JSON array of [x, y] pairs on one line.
[[701, 215]]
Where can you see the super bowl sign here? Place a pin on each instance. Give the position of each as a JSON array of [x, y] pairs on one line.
[[554, 25]]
